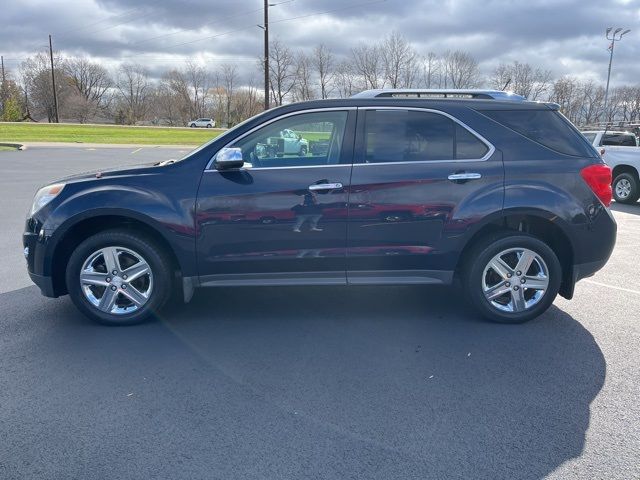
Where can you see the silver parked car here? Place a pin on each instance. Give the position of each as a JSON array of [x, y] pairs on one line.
[[202, 122]]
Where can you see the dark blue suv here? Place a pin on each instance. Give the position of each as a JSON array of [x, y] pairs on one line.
[[387, 187]]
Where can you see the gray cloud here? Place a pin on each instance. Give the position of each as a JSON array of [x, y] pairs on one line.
[[565, 36]]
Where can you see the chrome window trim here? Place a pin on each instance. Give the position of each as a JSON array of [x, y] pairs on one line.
[[209, 168], [486, 142]]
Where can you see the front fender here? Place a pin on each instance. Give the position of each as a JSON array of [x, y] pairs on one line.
[[171, 219]]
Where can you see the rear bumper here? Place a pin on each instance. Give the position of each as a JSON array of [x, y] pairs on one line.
[[585, 270]]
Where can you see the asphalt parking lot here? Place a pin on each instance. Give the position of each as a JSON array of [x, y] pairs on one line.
[[397, 383]]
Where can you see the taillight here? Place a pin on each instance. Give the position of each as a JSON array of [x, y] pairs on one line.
[[598, 177]]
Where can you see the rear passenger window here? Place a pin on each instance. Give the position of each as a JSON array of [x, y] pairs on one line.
[[546, 127], [413, 136], [619, 139]]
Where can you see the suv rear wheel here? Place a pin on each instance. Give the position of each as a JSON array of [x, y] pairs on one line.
[[118, 278], [625, 188], [512, 277]]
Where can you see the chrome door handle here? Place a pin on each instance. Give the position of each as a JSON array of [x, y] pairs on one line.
[[325, 186], [456, 177]]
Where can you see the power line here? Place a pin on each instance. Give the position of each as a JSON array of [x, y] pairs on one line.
[[214, 22], [124, 14], [229, 32], [276, 21]]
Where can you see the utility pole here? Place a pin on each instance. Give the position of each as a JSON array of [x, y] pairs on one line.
[[4, 85], [53, 81], [2, 63], [614, 38], [266, 54]]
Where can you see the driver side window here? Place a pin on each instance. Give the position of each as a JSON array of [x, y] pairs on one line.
[[307, 139]]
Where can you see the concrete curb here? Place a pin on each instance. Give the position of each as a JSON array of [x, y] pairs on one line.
[[17, 146], [104, 145]]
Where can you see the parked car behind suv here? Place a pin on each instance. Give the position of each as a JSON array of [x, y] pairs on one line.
[[621, 152], [411, 187]]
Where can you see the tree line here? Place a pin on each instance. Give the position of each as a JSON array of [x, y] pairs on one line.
[[88, 92]]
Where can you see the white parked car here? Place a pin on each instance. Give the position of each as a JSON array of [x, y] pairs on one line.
[[202, 122], [621, 152], [288, 143]]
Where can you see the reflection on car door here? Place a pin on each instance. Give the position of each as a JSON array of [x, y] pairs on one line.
[[403, 204], [278, 219]]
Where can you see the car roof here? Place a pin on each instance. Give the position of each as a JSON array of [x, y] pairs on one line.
[[436, 103], [614, 132]]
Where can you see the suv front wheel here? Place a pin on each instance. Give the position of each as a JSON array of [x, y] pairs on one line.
[[512, 277], [118, 278]]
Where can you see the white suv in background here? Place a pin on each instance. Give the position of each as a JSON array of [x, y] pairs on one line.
[[203, 122], [621, 152]]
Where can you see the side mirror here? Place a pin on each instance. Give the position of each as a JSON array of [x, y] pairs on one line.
[[229, 158]]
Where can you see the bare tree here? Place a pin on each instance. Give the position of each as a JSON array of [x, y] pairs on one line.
[[303, 89], [345, 80], [323, 62], [368, 65], [199, 82], [460, 70], [281, 71], [167, 105], [590, 108], [135, 91], [230, 77], [90, 79], [248, 101], [36, 77], [565, 93], [431, 70], [399, 61], [522, 79]]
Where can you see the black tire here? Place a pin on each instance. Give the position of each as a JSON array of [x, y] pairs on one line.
[[209, 125], [154, 256], [480, 256], [303, 151], [631, 183], [192, 125]]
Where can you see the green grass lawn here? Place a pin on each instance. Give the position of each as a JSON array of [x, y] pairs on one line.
[[51, 132]]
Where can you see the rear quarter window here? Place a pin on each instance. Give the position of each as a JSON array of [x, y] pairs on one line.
[[546, 127]]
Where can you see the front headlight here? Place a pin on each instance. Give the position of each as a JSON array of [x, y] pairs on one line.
[[44, 196]]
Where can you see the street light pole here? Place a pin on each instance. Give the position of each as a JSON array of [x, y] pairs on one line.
[[266, 54], [616, 36]]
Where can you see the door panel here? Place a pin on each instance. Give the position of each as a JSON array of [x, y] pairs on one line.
[[404, 212], [264, 224], [267, 221]]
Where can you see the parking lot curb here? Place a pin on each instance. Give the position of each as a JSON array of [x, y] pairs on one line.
[[17, 146]]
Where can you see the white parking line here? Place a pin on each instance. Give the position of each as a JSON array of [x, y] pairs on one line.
[[637, 292], [136, 151]]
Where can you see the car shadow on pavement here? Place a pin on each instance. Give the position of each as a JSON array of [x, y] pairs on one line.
[[634, 208], [366, 382]]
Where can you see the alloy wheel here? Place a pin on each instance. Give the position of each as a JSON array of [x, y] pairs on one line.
[[515, 280], [116, 280], [623, 188]]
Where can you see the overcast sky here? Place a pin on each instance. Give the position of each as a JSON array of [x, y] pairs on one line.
[[565, 36]]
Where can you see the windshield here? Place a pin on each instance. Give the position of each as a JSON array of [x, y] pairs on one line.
[[590, 136]]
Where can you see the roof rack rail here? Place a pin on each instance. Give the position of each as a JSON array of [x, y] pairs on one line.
[[441, 93]]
